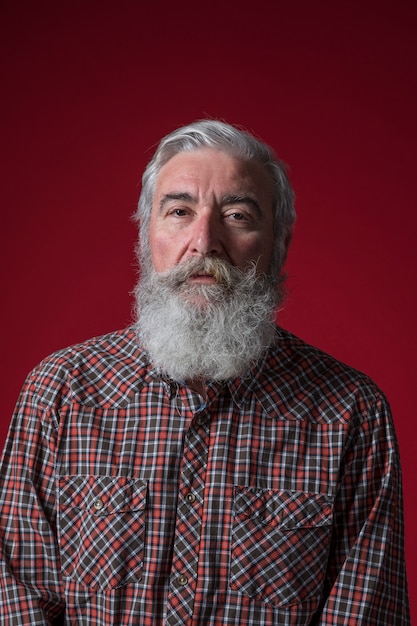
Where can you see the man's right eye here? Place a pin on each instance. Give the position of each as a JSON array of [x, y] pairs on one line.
[[179, 212]]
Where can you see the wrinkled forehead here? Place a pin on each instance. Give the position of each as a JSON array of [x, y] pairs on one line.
[[217, 171]]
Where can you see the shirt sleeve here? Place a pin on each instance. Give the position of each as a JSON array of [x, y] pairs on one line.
[[30, 582], [366, 578]]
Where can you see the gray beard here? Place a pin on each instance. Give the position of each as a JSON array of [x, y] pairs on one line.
[[205, 331]]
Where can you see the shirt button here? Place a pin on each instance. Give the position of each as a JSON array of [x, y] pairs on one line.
[[182, 580], [190, 497], [98, 504]]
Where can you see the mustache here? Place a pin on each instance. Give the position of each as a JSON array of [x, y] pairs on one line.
[[223, 272]]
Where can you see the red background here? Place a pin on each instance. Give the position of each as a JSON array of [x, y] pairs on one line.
[[89, 87]]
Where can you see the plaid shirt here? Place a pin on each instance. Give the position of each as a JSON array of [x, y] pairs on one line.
[[126, 499]]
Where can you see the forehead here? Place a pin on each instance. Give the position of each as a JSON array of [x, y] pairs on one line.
[[214, 171]]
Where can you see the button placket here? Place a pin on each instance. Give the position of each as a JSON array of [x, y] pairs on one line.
[[189, 520]]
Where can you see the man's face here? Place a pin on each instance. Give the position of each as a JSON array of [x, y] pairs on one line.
[[210, 204]]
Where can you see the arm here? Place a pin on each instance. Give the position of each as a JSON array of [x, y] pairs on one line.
[[366, 579], [30, 583]]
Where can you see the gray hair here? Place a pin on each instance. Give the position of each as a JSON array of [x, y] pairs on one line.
[[221, 136]]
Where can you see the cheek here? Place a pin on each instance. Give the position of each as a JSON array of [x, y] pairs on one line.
[[164, 250], [258, 249], [157, 248], [159, 255]]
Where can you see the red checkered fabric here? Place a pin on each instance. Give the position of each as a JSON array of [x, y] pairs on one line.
[[126, 499]]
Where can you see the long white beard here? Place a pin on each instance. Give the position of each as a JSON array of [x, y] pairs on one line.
[[205, 331]]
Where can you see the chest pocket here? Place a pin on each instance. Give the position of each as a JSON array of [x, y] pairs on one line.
[[280, 544], [101, 525]]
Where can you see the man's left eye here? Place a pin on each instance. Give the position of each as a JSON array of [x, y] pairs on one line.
[[239, 217]]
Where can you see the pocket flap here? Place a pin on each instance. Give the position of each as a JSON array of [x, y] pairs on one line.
[[102, 495], [286, 509]]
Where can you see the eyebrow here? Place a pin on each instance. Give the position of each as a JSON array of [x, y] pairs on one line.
[[226, 200], [236, 199], [169, 197]]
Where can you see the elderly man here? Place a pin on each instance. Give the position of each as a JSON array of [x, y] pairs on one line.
[[203, 467]]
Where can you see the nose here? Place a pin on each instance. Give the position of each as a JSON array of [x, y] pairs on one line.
[[206, 236]]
